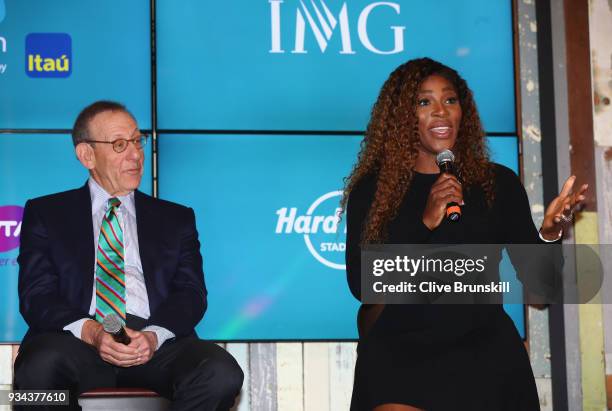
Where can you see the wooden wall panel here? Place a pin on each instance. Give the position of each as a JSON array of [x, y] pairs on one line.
[[342, 367], [6, 364], [316, 377], [262, 367], [600, 37], [289, 377]]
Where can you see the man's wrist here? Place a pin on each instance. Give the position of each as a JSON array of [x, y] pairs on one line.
[[162, 334], [152, 337], [76, 327], [91, 330]]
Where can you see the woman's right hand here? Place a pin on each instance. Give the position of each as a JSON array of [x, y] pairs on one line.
[[446, 189]]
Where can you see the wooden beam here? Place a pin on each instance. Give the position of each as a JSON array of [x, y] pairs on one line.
[[582, 160], [580, 101]]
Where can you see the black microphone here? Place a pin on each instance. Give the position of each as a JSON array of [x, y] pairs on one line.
[[445, 162], [114, 327]]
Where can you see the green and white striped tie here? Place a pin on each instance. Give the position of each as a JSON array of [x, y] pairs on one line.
[[110, 265]]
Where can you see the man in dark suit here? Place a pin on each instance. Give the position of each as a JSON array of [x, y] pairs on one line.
[[105, 249]]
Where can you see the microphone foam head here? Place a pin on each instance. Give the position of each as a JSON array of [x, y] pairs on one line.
[[445, 156], [111, 324]]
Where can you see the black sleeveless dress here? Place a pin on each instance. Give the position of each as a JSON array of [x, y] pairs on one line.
[[444, 357]]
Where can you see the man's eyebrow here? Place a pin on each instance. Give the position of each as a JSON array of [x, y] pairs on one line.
[[119, 133]]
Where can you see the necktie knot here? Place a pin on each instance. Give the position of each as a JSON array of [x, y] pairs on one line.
[[114, 202]]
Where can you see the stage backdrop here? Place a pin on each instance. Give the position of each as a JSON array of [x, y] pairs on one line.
[[261, 106]]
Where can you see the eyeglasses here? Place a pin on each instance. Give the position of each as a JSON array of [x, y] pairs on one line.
[[121, 144]]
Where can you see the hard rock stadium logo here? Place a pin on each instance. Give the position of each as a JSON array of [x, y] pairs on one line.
[[321, 227]]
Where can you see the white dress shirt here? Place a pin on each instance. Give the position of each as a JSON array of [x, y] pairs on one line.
[[136, 299]]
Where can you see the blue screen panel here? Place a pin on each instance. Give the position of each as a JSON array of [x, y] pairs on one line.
[[31, 165], [292, 65], [504, 151], [271, 271], [264, 282], [107, 56]]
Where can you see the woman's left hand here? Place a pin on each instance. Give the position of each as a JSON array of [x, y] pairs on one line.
[[561, 210]]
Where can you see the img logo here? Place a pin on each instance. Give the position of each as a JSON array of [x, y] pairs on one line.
[[323, 237], [322, 23], [48, 55], [10, 227]]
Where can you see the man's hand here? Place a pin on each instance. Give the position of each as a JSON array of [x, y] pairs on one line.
[[110, 351], [145, 344]]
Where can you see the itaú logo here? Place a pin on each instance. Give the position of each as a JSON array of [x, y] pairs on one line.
[[10, 227], [48, 55], [323, 237], [322, 23]]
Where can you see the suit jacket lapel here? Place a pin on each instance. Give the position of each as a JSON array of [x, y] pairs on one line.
[[80, 213], [146, 234]]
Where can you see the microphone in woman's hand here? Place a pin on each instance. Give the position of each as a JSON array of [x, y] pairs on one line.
[[114, 327], [445, 160]]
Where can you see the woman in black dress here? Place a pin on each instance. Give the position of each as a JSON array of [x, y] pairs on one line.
[[438, 357]]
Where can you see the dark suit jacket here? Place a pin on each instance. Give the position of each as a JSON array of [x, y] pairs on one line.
[[56, 262]]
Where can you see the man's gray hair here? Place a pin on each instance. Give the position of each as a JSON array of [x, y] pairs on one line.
[[80, 131]]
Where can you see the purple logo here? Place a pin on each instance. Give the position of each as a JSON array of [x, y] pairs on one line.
[[10, 227]]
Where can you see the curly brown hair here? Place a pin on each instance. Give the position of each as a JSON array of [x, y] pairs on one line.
[[390, 147]]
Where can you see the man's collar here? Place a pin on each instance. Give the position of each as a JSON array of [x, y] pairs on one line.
[[99, 199]]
